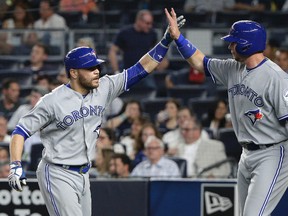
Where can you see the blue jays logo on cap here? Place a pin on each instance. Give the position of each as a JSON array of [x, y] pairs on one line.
[[254, 115]]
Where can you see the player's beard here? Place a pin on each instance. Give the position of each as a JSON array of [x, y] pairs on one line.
[[88, 84]]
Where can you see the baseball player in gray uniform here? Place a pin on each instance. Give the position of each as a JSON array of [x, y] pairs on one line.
[[258, 100], [69, 119]]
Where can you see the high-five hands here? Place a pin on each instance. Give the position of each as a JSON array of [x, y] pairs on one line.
[[179, 21], [173, 26]]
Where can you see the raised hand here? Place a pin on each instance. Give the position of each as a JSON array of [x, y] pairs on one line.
[[173, 25], [180, 22]]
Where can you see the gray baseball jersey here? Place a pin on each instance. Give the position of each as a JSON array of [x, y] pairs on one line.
[[61, 114], [258, 99], [69, 125]]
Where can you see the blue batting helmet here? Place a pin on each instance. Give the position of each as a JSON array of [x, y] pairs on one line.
[[249, 36], [81, 58]]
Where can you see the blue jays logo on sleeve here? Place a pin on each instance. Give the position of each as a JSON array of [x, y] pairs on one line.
[[254, 115]]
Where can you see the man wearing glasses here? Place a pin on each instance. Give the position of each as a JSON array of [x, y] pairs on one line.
[[156, 164]]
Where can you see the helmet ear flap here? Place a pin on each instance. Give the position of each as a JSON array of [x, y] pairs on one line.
[[243, 48]]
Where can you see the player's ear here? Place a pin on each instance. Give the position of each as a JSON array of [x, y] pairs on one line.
[[73, 73]]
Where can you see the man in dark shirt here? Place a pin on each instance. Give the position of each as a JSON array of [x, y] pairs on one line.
[[10, 98], [134, 41], [37, 64]]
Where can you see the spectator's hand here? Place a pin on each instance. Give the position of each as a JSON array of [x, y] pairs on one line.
[[17, 177], [180, 22], [173, 25], [162, 116]]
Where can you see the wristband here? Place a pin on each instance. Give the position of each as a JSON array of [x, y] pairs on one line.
[[159, 51], [16, 163], [185, 47]]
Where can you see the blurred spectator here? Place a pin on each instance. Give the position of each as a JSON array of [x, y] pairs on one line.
[[201, 153], [62, 76], [216, 118], [133, 41], [277, 5], [123, 121], [148, 129], [174, 137], [9, 101], [113, 109], [167, 118], [54, 84], [252, 5], [37, 64], [102, 162], [86, 41], [271, 47], [129, 140], [4, 136], [156, 164], [84, 6], [208, 5], [4, 163], [36, 93], [14, 43], [185, 76], [4, 7], [107, 139], [120, 166], [44, 81], [285, 6], [282, 59], [50, 20]]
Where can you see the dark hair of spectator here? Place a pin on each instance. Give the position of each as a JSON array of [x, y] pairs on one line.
[[110, 133], [139, 142], [28, 19], [6, 83], [44, 47], [125, 160]]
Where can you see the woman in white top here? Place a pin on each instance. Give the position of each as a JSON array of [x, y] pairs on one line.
[[20, 19]]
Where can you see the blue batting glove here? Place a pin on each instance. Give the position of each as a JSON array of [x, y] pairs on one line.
[[17, 177]]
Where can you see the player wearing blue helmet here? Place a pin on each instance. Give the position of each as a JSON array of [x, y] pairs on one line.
[[69, 120], [258, 100]]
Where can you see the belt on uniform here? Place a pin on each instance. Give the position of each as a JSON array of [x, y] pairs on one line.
[[82, 169], [252, 146]]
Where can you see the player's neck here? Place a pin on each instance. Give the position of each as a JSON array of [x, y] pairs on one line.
[[78, 88], [254, 60]]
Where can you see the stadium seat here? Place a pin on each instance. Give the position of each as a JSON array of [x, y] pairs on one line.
[[201, 106], [72, 18], [182, 164], [21, 76], [159, 78], [232, 147], [227, 18], [185, 92], [105, 19]]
